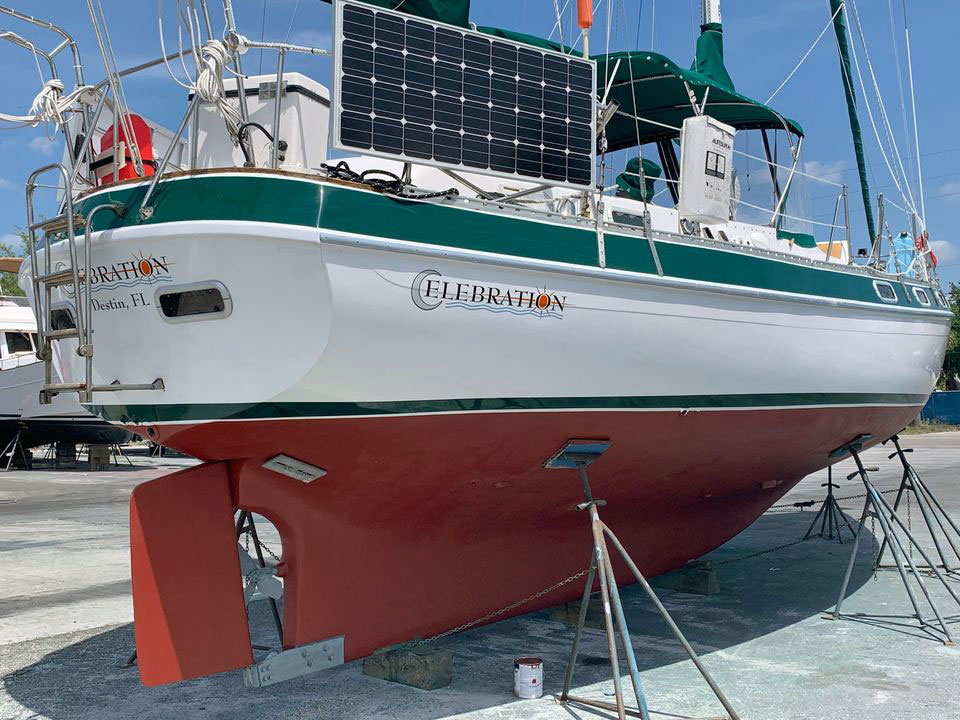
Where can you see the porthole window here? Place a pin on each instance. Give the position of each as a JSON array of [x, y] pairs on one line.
[[707, 234], [198, 301], [885, 291], [942, 300], [921, 296]]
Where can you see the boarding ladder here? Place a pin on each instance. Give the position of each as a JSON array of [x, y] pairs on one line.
[[69, 277]]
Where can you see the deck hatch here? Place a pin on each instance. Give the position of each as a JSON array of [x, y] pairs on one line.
[[419, 91]]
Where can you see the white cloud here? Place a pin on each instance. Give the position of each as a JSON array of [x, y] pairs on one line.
[[43, 146], [832, 170], [6, 184], [949, 192], [944, 250]]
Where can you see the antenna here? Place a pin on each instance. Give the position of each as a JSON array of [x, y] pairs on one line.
[[710, 11]]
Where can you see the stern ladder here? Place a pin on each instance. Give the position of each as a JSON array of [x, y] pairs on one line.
[[73, 276]]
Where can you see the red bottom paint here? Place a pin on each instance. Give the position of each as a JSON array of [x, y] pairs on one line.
[[426, 522]]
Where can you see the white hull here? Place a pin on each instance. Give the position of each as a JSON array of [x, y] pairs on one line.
[[330, 318]]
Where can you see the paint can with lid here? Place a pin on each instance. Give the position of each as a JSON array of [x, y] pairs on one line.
[[528, 677]]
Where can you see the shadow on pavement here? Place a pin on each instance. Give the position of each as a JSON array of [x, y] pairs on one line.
[[758, 595]]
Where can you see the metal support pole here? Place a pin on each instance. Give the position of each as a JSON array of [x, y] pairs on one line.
[[625, 637], [853, 558], [86, 340], [887, 516], [930, 508], [146, 211], [275, 161], [584, 602], [232, 31], [614, 617], [846, 223], [671, 624]]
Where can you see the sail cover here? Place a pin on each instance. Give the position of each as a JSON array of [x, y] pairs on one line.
[[709, 58]]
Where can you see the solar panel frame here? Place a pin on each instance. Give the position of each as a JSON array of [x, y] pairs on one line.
[[464, 111]]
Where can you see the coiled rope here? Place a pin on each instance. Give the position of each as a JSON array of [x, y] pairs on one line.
[[49, 105], [211, 59]]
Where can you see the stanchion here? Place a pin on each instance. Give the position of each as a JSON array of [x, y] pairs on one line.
[[577, 455]]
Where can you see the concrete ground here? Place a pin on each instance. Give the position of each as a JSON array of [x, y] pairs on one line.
[[65, 625]]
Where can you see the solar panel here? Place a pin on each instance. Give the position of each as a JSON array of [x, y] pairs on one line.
[[424, 92]]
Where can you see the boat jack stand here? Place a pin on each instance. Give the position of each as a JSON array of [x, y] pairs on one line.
[[930, 509], [830, 513], [12, 448], [577, 455], [889, 519]]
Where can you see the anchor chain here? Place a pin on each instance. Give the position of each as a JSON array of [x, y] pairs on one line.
[[246, 544]]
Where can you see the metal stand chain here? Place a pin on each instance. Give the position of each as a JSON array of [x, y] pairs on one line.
[[246, 525], [578, 454], [890, 521]]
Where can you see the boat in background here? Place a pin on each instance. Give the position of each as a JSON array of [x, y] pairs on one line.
[[439, 312], [21, 382]]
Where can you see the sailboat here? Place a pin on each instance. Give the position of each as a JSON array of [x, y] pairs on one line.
[[378, 351]]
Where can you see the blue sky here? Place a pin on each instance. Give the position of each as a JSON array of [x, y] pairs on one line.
[[763, 40]]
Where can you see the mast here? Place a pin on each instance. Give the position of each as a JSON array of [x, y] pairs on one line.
[[708, 59], [838, 12], [710, 12]]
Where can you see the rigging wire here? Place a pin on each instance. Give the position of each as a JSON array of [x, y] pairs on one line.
[[873, 123], [913, 104], [292, 20], [805, 56], [896, 63], [559, 23], [908, 195], [263, 25]]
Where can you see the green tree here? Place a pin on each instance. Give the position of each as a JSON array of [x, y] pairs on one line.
[[8, 281], [951, 361]]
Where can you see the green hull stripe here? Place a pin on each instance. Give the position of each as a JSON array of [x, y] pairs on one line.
[[293, 410], [337, 208]]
